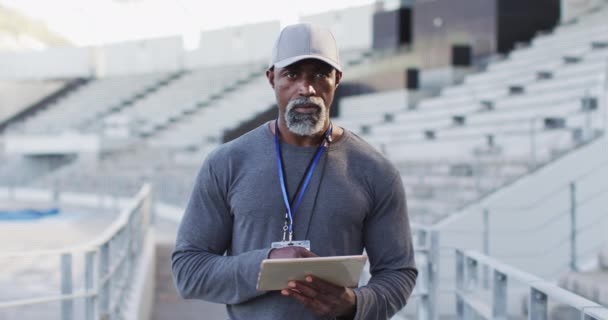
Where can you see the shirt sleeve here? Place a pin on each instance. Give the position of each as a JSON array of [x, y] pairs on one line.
[[388, 243], [200, 268]]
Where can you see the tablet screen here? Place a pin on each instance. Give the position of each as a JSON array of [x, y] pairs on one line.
[[340, 270]]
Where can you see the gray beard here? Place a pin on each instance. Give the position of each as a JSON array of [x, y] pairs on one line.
[[306, 124]]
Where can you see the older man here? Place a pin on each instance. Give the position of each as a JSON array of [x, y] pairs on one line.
[[297, 179]]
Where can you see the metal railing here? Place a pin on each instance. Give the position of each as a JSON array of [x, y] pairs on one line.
[[109, 264], [426, 249], [469, 291], [478, 275], [571, 222]]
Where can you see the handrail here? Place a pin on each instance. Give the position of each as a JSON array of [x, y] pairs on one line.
[[426, 249], [110, 260], [106, 235], [123, 219], [34, 301], [538, 290]]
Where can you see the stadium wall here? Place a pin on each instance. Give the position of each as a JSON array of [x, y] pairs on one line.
[[144, 56], [236, 45], [58, 63], [488, 27], [439, 24], [15, 97], [26, 102], [352, 27]]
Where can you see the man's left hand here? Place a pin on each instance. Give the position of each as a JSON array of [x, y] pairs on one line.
[[323, 298]]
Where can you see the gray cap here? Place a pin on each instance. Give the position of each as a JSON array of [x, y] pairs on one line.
[[305, 41]]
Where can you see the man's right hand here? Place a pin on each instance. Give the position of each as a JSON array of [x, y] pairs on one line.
[[322, 298], [290, 252]]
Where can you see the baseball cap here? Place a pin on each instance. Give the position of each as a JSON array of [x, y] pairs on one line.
[[305, 41]]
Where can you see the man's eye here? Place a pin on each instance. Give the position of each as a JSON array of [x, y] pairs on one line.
[[322, 75], [291, 75]]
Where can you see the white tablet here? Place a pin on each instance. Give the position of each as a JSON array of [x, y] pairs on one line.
[[340, 270]]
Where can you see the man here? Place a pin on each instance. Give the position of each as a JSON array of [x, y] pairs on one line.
[[297, 178]]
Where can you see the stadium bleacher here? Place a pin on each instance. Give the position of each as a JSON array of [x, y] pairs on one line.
[[208, 124], [183, 97], [492, 114], [526, 108], [79, 109], [183, 117]]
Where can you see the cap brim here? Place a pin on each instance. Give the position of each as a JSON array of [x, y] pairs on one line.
[[285, 62]]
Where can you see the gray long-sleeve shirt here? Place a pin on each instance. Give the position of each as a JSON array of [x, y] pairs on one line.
[[355, 201]]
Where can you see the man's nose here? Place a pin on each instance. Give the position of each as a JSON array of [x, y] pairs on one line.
[[307, 89]]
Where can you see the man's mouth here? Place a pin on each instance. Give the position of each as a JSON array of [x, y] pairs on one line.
[[306, 108]]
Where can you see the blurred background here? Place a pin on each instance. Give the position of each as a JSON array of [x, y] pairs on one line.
[[494, 111]]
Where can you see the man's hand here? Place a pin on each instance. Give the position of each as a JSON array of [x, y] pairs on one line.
[[290, 252], [323, 298]]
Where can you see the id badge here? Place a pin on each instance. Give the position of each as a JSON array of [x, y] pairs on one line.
[[283, 244]]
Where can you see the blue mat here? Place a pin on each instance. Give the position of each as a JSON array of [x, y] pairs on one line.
[[27, 214]]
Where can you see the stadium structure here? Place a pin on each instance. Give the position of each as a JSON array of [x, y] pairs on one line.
[[494, 111]]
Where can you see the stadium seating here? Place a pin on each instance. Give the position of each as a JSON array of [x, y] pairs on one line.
[[208, 124], [194, 90], [527, 109], [81, 110]]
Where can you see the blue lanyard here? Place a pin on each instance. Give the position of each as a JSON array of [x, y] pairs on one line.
[[308, 176]]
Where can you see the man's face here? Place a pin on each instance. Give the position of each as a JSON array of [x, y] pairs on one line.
[[304, 92]]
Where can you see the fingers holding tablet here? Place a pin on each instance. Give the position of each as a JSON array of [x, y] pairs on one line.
[[323, 298], [290, 252], [343, 271]]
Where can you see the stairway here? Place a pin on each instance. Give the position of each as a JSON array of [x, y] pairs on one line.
[[47, 101], [168, 304]]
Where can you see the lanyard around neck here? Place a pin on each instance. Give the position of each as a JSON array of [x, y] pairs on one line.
[[291, 210]]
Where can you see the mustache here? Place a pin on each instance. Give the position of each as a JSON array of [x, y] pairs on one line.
[[305, 101]]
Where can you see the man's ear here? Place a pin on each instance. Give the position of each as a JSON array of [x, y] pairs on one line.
[[338, 77], [270, 77]]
